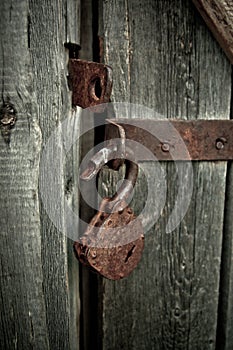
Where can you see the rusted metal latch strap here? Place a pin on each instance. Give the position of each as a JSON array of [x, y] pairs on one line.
[[202, 139]]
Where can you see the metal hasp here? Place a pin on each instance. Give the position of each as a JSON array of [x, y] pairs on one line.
[[203, 139], [113, 242], [90, 82]]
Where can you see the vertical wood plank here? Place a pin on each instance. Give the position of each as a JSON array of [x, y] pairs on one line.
[[72, 12], [71, 191], [53, 23], [37, 308], [72, 33], [23, 308], [164, 57], [218, 15]]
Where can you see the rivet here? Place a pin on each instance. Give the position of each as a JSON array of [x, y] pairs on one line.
[[165, 147], [220, 143]]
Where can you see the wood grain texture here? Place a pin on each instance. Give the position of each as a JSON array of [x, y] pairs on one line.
[[48, 34], [22, 294], [71, 20], [218, 15], [164, 57], [71, 191], [35, 300]]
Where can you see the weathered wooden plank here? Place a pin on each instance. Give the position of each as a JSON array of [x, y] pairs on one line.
[[164, 57], [22, 294], [52, 24], [72, 12], [218, 15], [72, 31], [36, 308], [72, 197]]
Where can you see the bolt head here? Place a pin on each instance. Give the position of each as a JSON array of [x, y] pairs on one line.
[[220, 143], [165, 147]]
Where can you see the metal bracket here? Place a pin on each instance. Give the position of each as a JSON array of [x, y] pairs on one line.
[[204, 139], [90, 82]]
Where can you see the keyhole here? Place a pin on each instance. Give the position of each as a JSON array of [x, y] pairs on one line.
[[130, 252], [95, 88]]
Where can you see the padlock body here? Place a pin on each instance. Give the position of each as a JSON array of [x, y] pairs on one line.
[[113, 242]]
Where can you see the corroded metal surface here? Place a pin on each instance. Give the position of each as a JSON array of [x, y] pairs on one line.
[[203, 139], [90, 82], [113, 242], [115, 248], [102, 157]]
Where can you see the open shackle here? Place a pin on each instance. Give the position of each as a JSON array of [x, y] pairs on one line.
[[114, 149]]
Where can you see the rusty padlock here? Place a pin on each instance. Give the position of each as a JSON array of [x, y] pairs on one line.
[[113, 242]]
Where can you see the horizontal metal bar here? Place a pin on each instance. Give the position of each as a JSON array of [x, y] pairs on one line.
[[177, 139]]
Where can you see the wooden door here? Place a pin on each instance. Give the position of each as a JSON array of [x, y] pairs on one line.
[[164, 57], [180, 296]]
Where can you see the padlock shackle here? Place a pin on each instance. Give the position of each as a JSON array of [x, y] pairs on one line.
[[125, 190], [101, 158]]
